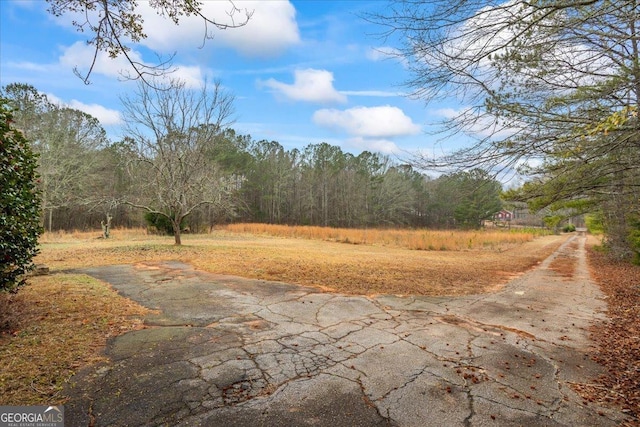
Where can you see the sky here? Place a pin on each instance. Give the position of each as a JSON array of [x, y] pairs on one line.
[[302, 72]]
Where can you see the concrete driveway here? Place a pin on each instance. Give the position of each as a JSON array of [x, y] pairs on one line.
[[227, 351]]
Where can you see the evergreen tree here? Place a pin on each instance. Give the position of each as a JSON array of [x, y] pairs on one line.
[[19, 203]]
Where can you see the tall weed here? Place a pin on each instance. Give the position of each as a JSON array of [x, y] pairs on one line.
[[418, 239]]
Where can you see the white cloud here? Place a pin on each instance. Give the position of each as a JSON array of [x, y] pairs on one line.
[[373, 93], [31, 66], [309, 85], [28, 4], [271, 28], [368, 122], [192, 76], [375, 145], [105, 115], [382, 53], [54, 99], [80, 55], [491, 32], [447, 113], [478, 124], [529, 162]]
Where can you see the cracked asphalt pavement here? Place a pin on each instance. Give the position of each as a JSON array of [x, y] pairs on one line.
[[228, 351]]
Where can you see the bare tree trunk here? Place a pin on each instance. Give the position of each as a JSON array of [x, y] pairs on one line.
[[106, 226], [176, 231], [616, 224]]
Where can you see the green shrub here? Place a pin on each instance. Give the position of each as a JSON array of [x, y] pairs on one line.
[[594, 223], [553, 222], [569, 228], [161, 223], [19, 204]]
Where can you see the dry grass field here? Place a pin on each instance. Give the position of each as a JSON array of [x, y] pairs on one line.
[[348, 261], [52, 327], [59, 323], [431, 240]]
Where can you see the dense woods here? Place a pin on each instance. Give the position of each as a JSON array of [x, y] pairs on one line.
[[85, 176]]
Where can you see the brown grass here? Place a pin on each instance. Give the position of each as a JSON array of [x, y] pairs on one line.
[[353, 269], [52, 327], [61, 322], [420, 239]]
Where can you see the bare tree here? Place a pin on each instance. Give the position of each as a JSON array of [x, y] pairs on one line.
[[172, 131], [114, 24], [66, 141]]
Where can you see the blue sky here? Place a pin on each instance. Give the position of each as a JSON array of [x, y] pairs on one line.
[[302, 72]]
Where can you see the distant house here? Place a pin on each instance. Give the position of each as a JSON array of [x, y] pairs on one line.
[[503, 215]]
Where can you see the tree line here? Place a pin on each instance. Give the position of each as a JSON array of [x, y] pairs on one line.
[[183, 168]]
